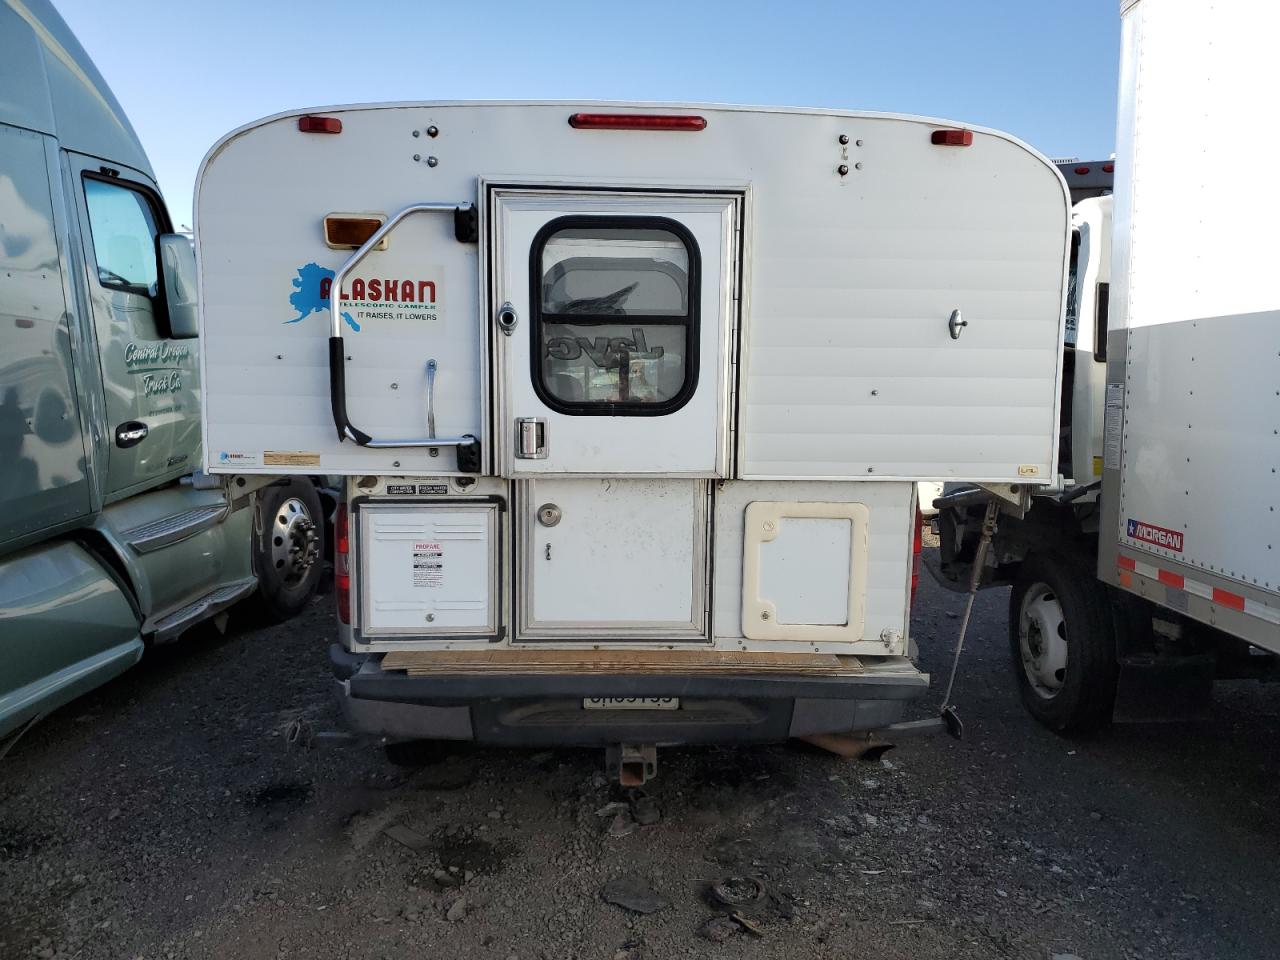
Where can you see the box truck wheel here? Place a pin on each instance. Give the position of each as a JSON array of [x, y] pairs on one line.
[[289, 547], [1063, 644]]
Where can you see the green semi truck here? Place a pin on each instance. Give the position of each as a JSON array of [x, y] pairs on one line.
[[110, 535]]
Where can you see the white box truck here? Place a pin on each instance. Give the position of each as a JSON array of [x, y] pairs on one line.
[[631, 399], [1157, 551]]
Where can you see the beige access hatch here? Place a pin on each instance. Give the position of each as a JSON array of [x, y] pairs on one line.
[[804, 569]]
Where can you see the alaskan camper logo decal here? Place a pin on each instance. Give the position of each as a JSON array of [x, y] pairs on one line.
[[1169, 539], [378, 298]]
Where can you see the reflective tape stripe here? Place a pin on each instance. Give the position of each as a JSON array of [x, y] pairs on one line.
[[1128, 566], [1228, 599], [1262, 612]]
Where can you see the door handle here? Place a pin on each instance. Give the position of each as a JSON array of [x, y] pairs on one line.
[[130, 434], [431, 399], [531, 438]]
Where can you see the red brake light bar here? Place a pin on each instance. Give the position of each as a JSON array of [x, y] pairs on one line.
[[636, 121], [319, 124], [951, 138]]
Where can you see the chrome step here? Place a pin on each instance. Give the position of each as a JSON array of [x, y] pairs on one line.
[[156, 534], [172, 624]]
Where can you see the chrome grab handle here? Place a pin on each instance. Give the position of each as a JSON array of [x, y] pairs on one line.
[[468, 446], [335, 314], [431, 398]]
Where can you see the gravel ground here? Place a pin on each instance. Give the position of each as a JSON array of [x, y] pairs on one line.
[[167, 816]]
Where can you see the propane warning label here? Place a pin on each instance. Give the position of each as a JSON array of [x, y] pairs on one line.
[[428, 564]]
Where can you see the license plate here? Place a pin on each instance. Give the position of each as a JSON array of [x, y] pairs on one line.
[[631, 703]]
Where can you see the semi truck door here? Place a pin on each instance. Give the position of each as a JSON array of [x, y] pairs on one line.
[[43, 478], [613, 317], [151, 379]]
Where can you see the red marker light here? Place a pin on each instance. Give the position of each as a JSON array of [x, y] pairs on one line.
[[917, 547], [342, 563], [951, 138], [636, 121], [1081, 170], [319, 124], [1108, 168]]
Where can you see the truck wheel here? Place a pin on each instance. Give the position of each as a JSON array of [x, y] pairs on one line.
[[1063, 644], [290, 548]]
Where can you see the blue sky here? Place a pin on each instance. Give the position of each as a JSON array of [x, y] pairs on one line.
[[187, 72]]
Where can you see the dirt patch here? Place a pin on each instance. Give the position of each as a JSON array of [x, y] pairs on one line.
[[18, 843], [277, 794], [464, 854]]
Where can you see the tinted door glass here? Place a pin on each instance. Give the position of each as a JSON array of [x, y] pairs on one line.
[[616, 328], [124, 237]]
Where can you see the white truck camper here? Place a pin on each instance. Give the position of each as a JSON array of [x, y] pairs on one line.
[[630, 400], [1151, 567]]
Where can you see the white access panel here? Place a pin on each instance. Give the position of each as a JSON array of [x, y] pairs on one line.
[[890, 513], [427, 570], [619, 559], [804, 570]]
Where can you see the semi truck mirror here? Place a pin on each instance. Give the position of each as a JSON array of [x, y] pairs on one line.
[[178, 265]]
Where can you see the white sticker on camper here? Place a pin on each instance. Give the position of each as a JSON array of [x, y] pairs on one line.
[[406, 301], [428, 564], [1113, 426]]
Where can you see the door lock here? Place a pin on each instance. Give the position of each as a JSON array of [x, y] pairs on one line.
[[507, 318], [531, 438]]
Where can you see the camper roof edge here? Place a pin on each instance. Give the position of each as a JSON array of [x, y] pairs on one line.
[[636, 105]]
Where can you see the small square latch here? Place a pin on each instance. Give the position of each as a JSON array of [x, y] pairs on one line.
[[531, 438]]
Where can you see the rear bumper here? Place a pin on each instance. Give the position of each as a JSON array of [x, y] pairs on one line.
[[547, 709]]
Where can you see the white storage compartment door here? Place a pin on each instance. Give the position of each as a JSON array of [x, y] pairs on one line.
[[850, 369], [427, 570], [612, 559]]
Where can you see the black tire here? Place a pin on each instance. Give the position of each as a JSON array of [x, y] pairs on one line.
[[286, 583], [415, 753], [1078, 698]]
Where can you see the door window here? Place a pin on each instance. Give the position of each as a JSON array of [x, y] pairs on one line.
[[616, 322], [124, 237]]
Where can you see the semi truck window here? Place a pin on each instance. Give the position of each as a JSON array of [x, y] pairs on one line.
[[615, 326], [124, 237]]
